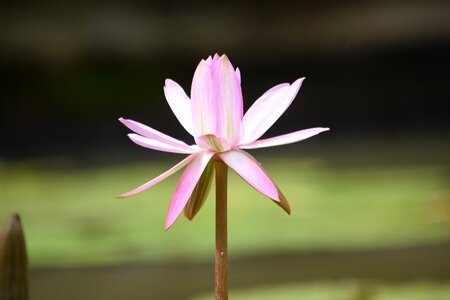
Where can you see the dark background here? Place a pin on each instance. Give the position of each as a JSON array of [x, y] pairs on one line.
[[68, 71]]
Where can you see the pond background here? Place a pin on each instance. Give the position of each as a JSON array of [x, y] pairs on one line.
[[370, 198]]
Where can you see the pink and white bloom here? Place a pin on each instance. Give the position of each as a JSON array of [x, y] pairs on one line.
[[214, 116]]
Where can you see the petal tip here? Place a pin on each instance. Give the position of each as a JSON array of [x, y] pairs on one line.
[[166, 82], [122, 196], [284, 204], [298, 82], [322, 129], [168, 224], [125, 122]]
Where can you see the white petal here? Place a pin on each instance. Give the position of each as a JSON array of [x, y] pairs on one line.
[[284, 139], [157, 145], [238, 75], [153, 134], [267, 109], [161, 177], [180, 104]]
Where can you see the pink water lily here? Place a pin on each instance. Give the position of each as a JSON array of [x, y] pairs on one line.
[[213, 115]]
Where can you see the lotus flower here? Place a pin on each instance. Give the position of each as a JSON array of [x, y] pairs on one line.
[[213, 115]]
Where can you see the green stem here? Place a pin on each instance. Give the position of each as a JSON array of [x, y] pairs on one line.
[[221, 231]]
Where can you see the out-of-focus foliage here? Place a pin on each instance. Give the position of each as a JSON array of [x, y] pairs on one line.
[[73, 218], [346, 291]]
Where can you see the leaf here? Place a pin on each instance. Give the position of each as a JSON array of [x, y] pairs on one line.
[[13, 261]]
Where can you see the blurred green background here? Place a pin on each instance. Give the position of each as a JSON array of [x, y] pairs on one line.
[[370, 199]]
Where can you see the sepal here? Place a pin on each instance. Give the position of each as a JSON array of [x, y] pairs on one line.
[[200, 192]]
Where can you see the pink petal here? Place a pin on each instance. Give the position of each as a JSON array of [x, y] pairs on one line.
[[164, 175], [160, 146], [267, 109], [228, 101], [154, 134], [217, 100], [250, 170], [202, 97], [284, 139], [186, 186], [180, 104]]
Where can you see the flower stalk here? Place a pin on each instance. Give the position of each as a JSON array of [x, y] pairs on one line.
[[221, 272]]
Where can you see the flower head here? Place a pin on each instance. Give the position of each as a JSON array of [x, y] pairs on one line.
[[213, 115]]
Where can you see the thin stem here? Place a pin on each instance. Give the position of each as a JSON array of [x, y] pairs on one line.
[[221, 231]]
